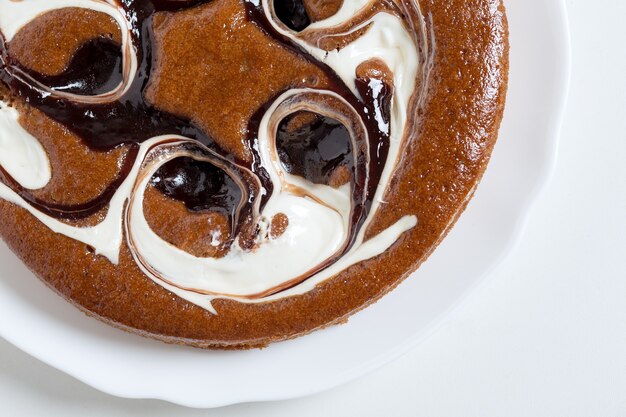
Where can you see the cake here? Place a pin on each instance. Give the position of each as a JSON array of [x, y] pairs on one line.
[[231, 173]]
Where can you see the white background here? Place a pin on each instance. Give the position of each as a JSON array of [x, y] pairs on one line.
[[544, 336]]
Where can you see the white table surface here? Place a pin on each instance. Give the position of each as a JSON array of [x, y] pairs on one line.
[[544, 336]]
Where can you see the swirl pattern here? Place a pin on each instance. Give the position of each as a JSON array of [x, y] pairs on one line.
[[320, 158]]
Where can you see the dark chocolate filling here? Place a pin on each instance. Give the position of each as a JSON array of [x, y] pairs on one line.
[[311, 153], [96, 68], [316, 149], [292, 13], [201, 185]]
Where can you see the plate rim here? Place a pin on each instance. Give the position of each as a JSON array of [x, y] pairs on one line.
[[548, 165]]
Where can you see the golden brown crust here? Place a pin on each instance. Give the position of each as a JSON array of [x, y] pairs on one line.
[[437, 177]]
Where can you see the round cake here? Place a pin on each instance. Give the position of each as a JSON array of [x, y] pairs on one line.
[[232, 173]]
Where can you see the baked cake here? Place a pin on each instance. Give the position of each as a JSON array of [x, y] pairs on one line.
[[231, 173]]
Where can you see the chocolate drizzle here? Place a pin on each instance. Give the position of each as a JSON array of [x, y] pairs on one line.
[[201, 185], [96, 68], [216, 182], [292, 13], [315, 149]]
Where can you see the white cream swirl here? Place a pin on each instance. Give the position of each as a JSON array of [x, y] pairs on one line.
[[318, 220], [21, 155]]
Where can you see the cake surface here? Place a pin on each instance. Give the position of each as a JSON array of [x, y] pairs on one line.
[[232, 173]]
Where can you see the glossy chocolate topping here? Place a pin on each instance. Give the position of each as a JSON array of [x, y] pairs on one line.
[[201, 186], [96, 68], [293, 14], [315, 149]]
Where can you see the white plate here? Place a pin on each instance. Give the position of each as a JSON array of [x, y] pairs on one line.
[[48, 328]]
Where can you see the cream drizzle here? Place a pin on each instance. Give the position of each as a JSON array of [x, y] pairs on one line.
[[22, 155]]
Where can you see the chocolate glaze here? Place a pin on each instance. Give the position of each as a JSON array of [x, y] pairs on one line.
[[131, 120], [315, 150], [96, 68], [377, 95], [201, 185], [292, 13]]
